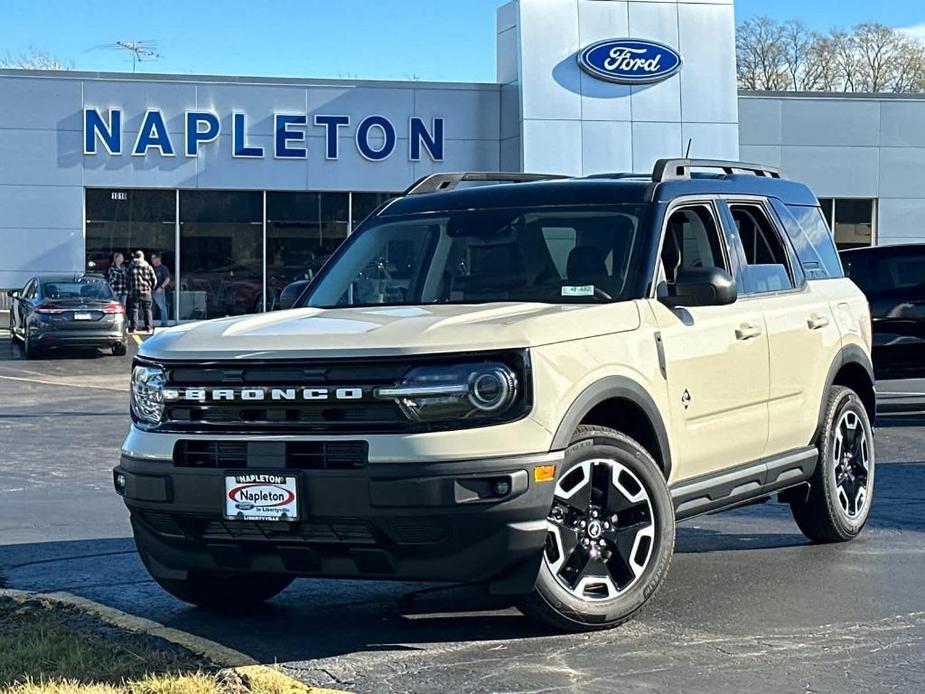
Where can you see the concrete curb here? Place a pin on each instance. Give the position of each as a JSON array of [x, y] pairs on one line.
[[225, 657]]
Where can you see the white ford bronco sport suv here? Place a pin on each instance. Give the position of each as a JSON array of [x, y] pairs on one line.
[[524, 384]]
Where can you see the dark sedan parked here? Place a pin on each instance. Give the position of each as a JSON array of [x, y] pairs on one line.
[[893, 279], [67, 311]]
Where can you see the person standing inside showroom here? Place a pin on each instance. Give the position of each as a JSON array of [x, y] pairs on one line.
[[141, 283], [160, 289], [117, 279]]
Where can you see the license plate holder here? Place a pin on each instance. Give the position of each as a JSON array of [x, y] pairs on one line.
[[81, 315], [261, 496]]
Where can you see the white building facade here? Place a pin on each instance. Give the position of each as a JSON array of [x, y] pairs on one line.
[[244, 184]]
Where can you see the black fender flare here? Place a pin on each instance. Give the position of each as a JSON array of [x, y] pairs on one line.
[[849, 354], [608, 388]]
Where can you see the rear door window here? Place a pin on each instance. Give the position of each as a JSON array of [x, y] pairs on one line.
[[811, 238], [767, 263]]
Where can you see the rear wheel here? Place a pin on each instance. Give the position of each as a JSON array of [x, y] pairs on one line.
[[610, 535], [841, 488], [119, 349]]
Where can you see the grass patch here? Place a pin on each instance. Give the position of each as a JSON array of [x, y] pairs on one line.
[[50, 648]]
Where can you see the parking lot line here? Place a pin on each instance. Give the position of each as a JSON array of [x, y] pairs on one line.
[[61, 383]]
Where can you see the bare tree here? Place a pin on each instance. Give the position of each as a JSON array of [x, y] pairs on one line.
[[909, 75], [878, 51], [823, 69], [760, 56], [844, 61], [796, 51], [34, 59], [871, 57]]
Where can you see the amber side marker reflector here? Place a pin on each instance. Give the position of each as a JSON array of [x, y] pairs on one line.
[[544, 473]]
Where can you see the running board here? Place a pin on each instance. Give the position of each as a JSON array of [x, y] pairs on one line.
[[734, 487]]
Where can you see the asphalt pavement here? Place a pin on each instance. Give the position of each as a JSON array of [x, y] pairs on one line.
[[749, 604]]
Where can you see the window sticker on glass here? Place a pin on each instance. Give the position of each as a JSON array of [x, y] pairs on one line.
[[582, 290]]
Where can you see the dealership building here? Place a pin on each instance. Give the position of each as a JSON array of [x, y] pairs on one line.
[[244, 184]]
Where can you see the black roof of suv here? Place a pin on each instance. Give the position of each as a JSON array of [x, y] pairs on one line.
[[669, 179]]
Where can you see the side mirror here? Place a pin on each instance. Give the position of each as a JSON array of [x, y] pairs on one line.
[[701, 286], [289, 295]]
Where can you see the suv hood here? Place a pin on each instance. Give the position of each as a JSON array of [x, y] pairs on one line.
[[388, 331]]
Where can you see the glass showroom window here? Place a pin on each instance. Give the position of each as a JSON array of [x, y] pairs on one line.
[[303, 229], [221, 253], [363, 205], [852, 219], [124, 221]]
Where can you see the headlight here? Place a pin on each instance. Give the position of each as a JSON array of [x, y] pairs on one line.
[[460, 391], [148, 393]]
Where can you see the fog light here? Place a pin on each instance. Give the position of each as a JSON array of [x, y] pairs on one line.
[[502, 487], [119, 480]]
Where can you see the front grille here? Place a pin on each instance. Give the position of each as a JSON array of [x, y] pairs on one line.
[[236, 414], [294, 413], [308, 396], [291, 455]]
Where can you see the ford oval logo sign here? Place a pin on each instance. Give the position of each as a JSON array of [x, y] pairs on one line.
[[630, 61]]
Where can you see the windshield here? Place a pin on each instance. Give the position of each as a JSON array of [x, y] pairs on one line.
[[82, 288], [553, 255]]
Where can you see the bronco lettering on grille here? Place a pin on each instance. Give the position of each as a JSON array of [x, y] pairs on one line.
[[261, 394]]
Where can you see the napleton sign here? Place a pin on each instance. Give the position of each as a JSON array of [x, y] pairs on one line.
[[375, 137]]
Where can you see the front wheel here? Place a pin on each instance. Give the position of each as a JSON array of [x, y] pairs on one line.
[[842, 486], [119, 349], [610, 536]]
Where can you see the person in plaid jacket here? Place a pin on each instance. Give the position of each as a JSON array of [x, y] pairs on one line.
[[141, 282], [117, 278]]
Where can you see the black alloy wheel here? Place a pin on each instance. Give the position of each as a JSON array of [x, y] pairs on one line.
[[851, 464], [601, 530], [610, 534], [841, 489]]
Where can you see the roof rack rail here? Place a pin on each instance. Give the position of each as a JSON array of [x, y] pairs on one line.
[[442, 182], [675, 169]]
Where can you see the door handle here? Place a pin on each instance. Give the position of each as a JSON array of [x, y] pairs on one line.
[[817, 321], [748, 331]]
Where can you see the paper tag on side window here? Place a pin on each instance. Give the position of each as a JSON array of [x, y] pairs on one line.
[[584, 290]]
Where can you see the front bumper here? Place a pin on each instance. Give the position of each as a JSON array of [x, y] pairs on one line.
[[400, 521]]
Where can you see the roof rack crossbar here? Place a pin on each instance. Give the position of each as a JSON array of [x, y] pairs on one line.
[[676, 169], [442, 182]]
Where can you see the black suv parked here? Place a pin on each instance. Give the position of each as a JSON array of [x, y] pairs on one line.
[[893, 279]]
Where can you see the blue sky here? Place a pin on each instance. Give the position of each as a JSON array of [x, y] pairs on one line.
[[374, 39]]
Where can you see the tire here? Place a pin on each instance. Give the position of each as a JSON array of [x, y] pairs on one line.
[[580, 588], [119, 350], [225, 591], [13, 336], [29, 350], [842, 486]]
